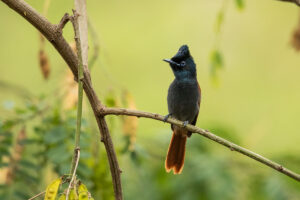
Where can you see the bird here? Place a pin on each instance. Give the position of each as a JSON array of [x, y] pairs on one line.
[[184, 96]]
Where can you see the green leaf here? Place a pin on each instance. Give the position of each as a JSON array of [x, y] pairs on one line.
[[4, 164], [55, 135], [59, 154], [21, 194], [7, 140], [240, 4], [8, 105], [24, 175], [30, 141], [216, 59], [219, 21], [4, 151], [8, 124], [28, 164], [85, 155], [20, 111]]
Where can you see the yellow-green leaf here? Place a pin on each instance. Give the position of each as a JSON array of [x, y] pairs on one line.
[[83, 192], [239, 4], [62, 197], [219, 21], [52, 189], [73, 195]]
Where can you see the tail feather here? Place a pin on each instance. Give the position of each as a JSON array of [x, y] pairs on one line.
[[176, 153]]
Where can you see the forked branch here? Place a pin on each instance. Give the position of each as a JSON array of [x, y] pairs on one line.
[[54, 34]]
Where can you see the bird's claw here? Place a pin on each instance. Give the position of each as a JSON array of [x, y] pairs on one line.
[[185, 123], [167, 117]]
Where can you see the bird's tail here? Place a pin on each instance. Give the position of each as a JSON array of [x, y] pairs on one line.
[[176, 152]]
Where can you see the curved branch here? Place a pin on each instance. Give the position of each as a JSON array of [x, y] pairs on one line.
[[233, 147], [54, 34]]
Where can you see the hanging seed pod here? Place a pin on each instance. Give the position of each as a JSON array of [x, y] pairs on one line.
[[52, 189], [44, 63], [296, 37], [129, 123], [16, 156], [70, 91]]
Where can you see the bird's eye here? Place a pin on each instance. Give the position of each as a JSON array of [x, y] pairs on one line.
[[183, 63]]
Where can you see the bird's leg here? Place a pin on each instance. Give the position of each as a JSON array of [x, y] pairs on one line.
[[185, 123], [167, 117]]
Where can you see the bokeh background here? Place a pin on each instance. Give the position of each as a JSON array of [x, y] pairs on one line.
[[248, 70]]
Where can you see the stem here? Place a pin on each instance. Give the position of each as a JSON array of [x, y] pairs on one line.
[[77, 156], [80, 88]]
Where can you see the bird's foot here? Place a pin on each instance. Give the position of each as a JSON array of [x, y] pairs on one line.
[[185, 123], [167, 117]]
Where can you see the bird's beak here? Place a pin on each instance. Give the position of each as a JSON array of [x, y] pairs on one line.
[[171, 62]]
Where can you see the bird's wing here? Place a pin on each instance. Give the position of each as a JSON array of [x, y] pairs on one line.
[[196, 117]]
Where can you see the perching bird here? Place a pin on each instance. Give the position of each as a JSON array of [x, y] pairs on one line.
[[184, 97]]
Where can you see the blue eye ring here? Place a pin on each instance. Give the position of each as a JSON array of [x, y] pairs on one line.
[[182, 64]]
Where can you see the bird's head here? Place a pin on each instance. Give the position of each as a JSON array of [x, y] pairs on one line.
[[182, 63]]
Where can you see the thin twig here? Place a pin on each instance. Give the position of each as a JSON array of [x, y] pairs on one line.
[[297, 2], [64, 20], [77, 156], [37, 195], [205, 133]]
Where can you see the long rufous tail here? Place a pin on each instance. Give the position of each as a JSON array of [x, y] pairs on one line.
[[176, 153]]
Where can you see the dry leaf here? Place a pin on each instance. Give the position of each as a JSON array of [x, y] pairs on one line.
[[69, 86], [4, 171], [44, 63], [70, 91], [296, 38], [16, 155], [130, 123]]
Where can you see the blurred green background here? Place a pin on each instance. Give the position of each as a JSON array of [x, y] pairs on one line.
[[253, 99]]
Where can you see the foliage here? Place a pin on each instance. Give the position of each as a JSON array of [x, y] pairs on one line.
[[240, 4], [47, 150]]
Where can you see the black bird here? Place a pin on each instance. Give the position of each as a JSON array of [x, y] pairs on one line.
[[184, 97]]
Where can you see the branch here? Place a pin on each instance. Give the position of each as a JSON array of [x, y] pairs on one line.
[[54, 34], [297, 2], [205, 133]]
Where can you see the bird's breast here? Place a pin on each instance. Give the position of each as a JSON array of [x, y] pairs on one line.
[[183, 98]]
